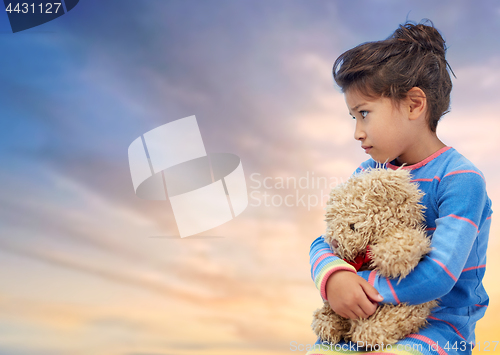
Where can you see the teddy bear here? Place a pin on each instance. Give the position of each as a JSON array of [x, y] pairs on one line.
[[375, 222]]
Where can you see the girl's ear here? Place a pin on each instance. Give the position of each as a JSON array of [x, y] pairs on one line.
[[417, 103]]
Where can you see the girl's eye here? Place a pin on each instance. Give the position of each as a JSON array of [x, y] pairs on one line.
[[363, 114]]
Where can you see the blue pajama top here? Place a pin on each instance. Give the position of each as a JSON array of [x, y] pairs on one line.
[[458, 217]]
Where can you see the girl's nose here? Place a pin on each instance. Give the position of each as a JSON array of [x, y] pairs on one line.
[[359, 133]]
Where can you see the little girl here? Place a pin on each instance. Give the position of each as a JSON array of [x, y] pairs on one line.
[[397, 90]]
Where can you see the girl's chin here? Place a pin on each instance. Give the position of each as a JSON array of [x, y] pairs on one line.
[[382, 160]]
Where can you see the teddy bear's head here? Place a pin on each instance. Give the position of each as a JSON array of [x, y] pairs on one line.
[[378, 208]]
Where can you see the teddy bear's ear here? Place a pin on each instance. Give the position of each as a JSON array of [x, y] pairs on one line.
[[399, 251]]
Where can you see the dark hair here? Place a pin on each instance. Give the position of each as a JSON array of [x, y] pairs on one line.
[[413, 56]]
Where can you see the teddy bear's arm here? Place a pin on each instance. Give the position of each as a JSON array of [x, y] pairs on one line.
[[399, 252]]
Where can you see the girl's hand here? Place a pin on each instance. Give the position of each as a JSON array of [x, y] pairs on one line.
[[351, 296]]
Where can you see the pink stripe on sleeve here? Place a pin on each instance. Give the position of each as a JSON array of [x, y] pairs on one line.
[[446, 269], [393, 292], [451, 325], [463, 219], [462, 172], [474, 267], [371, 277], [322, 257]]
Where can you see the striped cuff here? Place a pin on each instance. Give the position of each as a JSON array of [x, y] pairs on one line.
[[327, 270]]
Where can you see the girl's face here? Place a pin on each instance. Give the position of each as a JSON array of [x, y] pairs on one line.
[[383, 130]]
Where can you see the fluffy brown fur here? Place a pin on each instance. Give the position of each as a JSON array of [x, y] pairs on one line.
[[380, 208]]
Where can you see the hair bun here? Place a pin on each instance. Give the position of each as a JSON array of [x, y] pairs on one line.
[[426, 37]]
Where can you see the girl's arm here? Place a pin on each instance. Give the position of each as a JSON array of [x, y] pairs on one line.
[[348, 294], [461, 235], [323, 261]]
